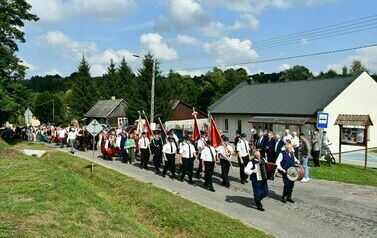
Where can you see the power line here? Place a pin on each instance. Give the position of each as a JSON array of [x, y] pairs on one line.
[[286, 58], [347, 27]]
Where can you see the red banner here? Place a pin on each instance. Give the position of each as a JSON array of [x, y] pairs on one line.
[[214, 135]]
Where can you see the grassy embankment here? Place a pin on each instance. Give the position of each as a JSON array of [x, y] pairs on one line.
[[56, 196]]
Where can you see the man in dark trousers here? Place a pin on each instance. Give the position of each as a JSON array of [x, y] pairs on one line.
[[243, 150], [260, 143], [144, 144], [278, 145], [208, 159], [156, 149], [169, 150], [187, 156], [270, 147]]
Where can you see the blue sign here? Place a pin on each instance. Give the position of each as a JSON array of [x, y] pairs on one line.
[[322, 120]]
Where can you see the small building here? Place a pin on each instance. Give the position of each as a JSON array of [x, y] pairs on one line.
[[182, 116], [111, 112], [295, 105]]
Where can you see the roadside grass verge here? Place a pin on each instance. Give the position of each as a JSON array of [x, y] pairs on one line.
[[345, 173], [56, 196]]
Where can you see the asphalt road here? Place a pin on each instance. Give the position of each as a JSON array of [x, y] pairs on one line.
[[322, 208]]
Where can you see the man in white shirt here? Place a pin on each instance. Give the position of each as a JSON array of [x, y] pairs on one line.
[[225, 152], [200, 144], [169, 150], [287, 136], [187, 156], [144, 149], [209, 158], [71, 139], [62, 134], [243, 149], [295, 143]]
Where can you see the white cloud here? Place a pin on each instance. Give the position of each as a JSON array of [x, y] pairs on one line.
[[66, 45], [213, 29], [158, 47], [59, 10], [53, 71], [186, 40], [74, 50], [191, 73], [30, 67], [226, 50], [186, 12], [367, 56], [247, 20], [284, 67]]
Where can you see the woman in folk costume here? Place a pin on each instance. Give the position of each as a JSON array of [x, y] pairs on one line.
[[110, 147], [256, 169], [285, 160], [130, 146]]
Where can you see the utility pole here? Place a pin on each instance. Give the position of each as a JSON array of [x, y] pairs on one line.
[[153, 89], [53, 111]]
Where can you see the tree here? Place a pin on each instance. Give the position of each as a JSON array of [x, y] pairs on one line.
[[344, 71], [13, 13], [357, 67], [296, 73], [84, 92], [111, 83], [48, 108]]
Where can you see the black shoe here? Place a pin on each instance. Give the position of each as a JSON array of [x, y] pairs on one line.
[[181, 180], [212, 189], [191, 182], [164, 175], [289, 197], [242, 181], [284, 197]]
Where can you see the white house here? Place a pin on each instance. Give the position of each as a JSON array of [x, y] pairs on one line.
[[294, 105]]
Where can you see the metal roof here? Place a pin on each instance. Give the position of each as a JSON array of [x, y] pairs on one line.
[[103, 108], [299, 98], [353, 120]]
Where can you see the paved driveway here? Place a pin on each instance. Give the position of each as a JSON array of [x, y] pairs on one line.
[[358, 157], [322, 208]]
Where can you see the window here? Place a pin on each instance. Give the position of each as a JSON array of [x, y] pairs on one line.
[[239, 125], [226, 124]]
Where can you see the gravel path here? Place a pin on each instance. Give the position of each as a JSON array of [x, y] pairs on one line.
[[322, 208]]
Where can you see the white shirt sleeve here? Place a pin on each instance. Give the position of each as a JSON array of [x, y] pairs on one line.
[[278, 162], [248, 168]]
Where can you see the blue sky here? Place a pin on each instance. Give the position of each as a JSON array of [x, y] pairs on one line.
[[186, 34]]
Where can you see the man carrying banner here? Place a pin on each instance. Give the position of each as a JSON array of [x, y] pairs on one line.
[[209, 158], [243, 149], [225, 152], [200, 144]]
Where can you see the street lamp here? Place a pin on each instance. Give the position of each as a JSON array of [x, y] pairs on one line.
[[153, 86]]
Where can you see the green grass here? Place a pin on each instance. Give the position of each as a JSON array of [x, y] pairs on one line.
[[56, 196], [345, 173]]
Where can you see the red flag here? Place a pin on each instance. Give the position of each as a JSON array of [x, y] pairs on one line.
[[214, 135], [147, 126], [195, 132]]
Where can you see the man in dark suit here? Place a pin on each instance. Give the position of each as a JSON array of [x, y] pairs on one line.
[[260, 143], [270, 147], [278, 145]]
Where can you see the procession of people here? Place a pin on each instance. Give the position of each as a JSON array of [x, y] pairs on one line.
[[262, 157]]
